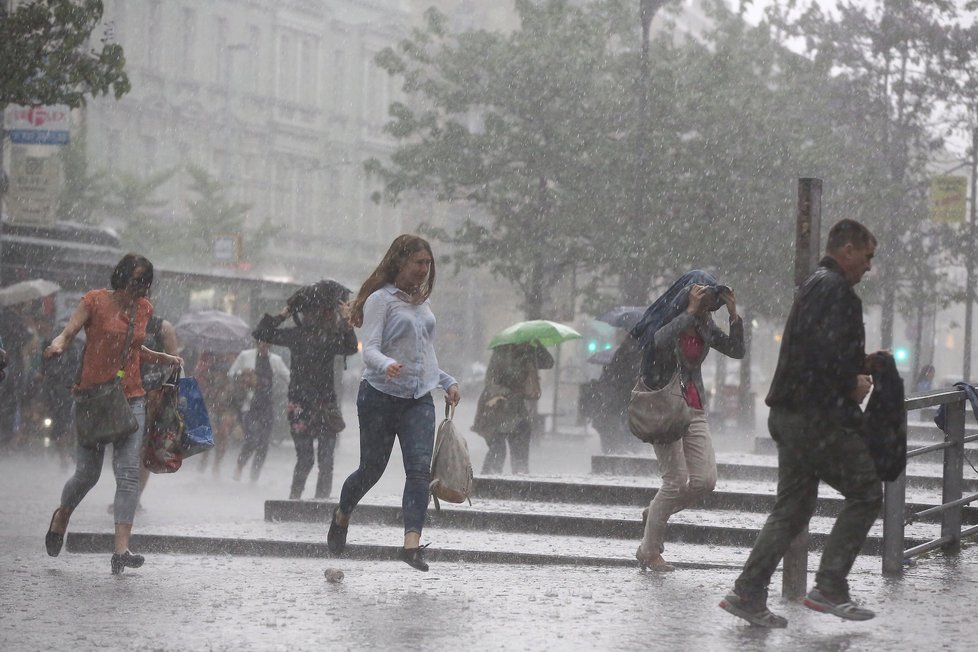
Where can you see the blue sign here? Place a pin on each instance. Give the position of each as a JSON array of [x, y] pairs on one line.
[[38, 137]]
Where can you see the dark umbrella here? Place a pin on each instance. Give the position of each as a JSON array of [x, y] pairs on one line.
[[214, 331], [622, 316]]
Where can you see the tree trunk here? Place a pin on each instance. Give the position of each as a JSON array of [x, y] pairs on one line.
[[533, 293]]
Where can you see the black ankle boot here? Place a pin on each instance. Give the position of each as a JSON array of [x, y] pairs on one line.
[[336, 536], [414, 557], [125, 560]]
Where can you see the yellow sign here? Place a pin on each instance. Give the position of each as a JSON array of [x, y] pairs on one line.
[[948, 196]]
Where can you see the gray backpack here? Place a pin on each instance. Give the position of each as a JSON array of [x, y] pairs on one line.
[[451, 469]]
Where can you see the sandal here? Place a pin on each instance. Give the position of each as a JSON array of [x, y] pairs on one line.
[[654, 563]]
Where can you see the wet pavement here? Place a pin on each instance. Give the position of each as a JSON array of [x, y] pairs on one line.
[[228, 602]]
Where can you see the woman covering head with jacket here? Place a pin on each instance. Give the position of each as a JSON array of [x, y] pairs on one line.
[[676, 333], [320, 334], [106, 315], [394, 400]]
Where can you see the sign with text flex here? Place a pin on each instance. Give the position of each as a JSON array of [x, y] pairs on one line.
[[37, 124], [948, 196]]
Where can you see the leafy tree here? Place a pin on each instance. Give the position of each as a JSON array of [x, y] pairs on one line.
[[46, 58], [132, 198], [513, 132], [82, 196], [895, 51], [213, 214]]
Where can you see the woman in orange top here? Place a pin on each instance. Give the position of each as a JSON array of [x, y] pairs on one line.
[[104, 314]]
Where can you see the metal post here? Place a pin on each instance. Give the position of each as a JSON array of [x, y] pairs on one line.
[[745, 413], [794, 577], [553, 416], [953, 475], [969, 260], [894, 506]]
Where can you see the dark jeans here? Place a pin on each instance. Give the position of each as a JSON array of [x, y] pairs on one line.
[[257, 433], [382, 418], [519, 450], [810, 451]]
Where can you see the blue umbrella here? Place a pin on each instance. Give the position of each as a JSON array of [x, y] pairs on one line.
[[622, 316]]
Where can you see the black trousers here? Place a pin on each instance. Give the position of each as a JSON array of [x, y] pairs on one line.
[[810, 452], [519, 450], [257, 434], [314, 428]]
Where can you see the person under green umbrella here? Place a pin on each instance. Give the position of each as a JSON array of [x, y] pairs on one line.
[[512, 378]]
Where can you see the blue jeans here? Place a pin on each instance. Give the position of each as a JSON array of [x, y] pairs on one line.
[[125, 465], [382, 418]]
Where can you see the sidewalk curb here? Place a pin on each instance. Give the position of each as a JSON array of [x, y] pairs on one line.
[[90, 542]]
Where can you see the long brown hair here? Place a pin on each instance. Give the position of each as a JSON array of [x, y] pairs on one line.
[[403, 247]]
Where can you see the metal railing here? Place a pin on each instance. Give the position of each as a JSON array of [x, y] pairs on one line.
[[895, 518]]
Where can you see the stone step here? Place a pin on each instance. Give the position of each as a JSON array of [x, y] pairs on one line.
[[681, 529], [759, 467], [766, 446], [557, 491]]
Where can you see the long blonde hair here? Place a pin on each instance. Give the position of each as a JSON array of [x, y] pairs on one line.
[[403, 247]]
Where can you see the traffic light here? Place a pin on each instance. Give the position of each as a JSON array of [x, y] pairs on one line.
[[901, 354]]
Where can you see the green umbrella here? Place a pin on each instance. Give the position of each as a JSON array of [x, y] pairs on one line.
[[547, 333]]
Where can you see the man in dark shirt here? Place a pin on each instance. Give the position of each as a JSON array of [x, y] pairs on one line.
[[321, 334], [818, 386]]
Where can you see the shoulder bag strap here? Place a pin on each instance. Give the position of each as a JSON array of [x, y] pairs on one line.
[[125, 350]]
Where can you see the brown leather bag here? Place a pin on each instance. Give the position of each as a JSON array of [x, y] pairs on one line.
[[659, 416]]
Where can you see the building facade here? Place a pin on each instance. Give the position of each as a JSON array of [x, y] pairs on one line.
[[280, 101]]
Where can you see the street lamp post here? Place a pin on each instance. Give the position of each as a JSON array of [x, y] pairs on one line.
[[969, 260]]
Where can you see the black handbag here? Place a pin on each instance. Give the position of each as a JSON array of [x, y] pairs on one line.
[[102, 412]]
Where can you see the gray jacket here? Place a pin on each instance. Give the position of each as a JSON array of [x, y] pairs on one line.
[[667, 356]]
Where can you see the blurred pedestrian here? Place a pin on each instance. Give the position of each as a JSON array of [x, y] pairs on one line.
[[106, 316], [16, 336], [925, 379], [57, 377], [211, 372], [819, 383], [320, 334], [501, 417], [676, 334], [256, 370], [401, 370], [611, 393]]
